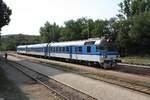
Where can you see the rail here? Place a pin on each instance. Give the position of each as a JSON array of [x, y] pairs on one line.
[[64, 91]]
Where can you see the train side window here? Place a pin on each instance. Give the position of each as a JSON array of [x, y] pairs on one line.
[[59, 49], [88, 49], [67, 49], [80, 49], [76, 49], [54, 49], [50, 49], [63, 49], [35, 49]]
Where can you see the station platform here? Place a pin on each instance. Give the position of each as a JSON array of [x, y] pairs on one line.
[[95, 88]]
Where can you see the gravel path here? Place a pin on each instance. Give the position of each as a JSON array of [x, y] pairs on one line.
[[97, 89]]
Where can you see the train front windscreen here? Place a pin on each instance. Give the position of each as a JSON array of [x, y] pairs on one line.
[[106, 45]]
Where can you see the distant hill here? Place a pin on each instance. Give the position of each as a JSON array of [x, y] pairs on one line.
[[9, 42], [15, 35], [21, 38]]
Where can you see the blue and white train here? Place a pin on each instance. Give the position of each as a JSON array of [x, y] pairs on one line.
[[96, 50]]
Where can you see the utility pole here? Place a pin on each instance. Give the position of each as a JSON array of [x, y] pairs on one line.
[[0, 38], [53, 33], [88, 28], [87, 23]]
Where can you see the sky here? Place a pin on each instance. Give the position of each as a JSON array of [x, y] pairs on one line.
[[29, 15]]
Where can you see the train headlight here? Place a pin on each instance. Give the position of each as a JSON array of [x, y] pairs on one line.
[[104, 56]]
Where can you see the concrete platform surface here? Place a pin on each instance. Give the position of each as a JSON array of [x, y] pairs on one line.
[[95, 88]]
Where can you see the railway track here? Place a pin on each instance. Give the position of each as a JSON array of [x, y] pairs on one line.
[[133, 85], [122, 67], [137, 64], [140, 87], [133, 69], [62, 90]]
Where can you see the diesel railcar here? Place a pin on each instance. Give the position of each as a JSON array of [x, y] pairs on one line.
[[100, 51]]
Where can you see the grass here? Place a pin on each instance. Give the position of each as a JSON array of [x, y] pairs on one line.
[[137, 59], [8, 90]]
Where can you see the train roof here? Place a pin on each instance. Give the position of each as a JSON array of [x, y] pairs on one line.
[[91, 41], [21, 46], [78, 43], [38, 45]]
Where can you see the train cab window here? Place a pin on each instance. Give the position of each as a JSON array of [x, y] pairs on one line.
[[88, 49], [99, 48], [106, 47]]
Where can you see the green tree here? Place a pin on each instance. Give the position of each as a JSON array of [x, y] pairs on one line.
[[129, 8], [75, 30], [140, 32], [100, 28], [10, 42], [5, 13], [49, 32], [84, 28], [132, 29]]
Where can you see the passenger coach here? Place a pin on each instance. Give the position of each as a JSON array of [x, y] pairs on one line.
[[37, 49], [22, 49]]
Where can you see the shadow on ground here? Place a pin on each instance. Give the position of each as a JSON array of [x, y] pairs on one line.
[[8, 90]]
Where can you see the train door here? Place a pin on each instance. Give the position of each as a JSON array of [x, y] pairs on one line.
[[49, 50], [70, 52], [76, 51], [26, 49], [46, 50]]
